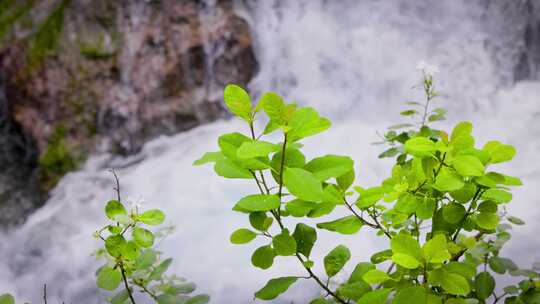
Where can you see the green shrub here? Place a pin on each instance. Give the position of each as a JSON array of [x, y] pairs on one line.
[[442, 209], [132, 260]]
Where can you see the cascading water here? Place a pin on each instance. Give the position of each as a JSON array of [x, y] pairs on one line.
[[354, 61]]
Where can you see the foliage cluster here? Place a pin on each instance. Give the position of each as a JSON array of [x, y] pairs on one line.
[[442, 209], [132, 258]]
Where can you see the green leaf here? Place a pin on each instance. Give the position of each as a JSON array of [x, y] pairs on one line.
[[160, 270], [258, 202], [109, 278], [497, 265], [242, 236], [408, 112], [263, 257], [511, 181], [515, 220], [511, 289], [152, 217], [303, 184], [376, 276], [169, 299], [230, 142], [425, 208], [322, 209], [346, 180], [369, 197], [455, 284], [336, 259], [353, 290], [453, 212], [183, 288], [260, 221], [274, 107], [484, 284], [502, 153], [299, 208], [146, 259], [488, 207], [209, 157], [406, 204], [403, 243], [143, 237], [284, 244], [415, 295], [130, 250], [7, 299], [345, 225], [359, 270], [238, 101], [462, 128], [420, 146], [305, 237], [120, 298], [252, 149], [329, 166], [405, 260], [435, 250], [448, 181], [377, 296], [306, 122], [114, 209], [467, 165], [462, 268], [497, 195], [389, 153], [229, 169], [465, 194], [114, 244], [199, 299], [487, 220], [275, 287], [381, 256]]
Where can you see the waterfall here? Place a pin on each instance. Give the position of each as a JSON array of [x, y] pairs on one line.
[[355, 62]]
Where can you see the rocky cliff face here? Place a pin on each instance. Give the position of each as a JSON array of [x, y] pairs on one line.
[[124, 72]]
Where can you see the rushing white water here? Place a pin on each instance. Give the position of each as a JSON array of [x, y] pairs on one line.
[[354, 61]]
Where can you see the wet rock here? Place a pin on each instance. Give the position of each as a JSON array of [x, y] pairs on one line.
[[126, 72], [19, 187]]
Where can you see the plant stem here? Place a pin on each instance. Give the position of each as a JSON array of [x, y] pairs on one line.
[[45, 293], [117, 188], [151, 294], [319, 281], [474, 199], [123, 271], [277, 216]]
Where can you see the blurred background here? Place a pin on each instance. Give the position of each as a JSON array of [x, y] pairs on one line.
[[87, 85]]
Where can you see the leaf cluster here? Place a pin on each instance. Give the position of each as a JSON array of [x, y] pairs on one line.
[[133, 261], [442, 209]]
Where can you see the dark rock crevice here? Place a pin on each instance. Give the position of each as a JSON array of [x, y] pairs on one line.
[[19, 183]]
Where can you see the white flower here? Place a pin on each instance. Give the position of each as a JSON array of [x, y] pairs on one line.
[[135, 204], [429, 70]]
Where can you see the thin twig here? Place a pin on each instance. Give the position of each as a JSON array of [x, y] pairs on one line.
[[45, 293], [117, 188], [122, 270]]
